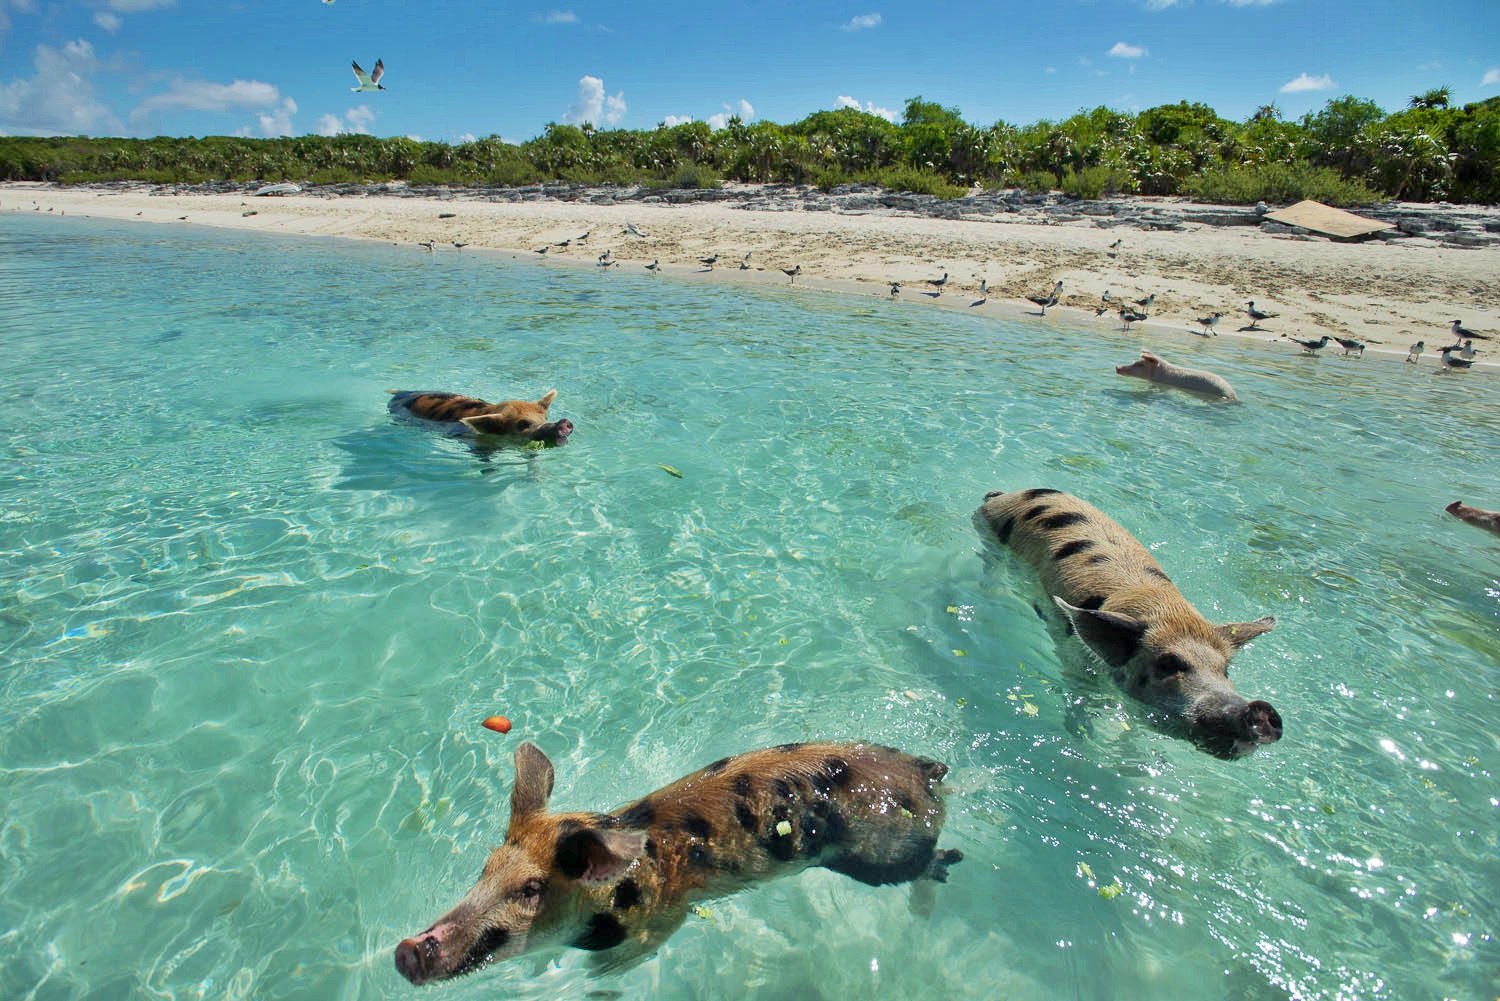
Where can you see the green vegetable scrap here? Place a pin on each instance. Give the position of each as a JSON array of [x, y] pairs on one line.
[[671, 470]]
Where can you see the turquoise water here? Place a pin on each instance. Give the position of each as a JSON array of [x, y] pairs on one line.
[[249, 627]]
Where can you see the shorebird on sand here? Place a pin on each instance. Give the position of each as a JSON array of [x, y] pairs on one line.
[[1460, 332], [1114, 248], [1310, 347], [938, 283], [654, 266], [984, 293], [1351, 346], [1047, 300], [1209, 322], [709, 262], [745, 264], [1129, 316], [368, 81], [630, 228], [792, 273], [1256, 315], [895, 289], [1415, 352], [1147, 302], [1452, 362]]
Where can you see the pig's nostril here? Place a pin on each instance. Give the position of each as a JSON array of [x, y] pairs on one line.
[[1264, 721], [414, 958]]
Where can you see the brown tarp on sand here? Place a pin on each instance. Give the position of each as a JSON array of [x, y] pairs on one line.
[[1327, 220]]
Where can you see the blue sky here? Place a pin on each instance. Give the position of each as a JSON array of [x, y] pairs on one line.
[[461, 69]]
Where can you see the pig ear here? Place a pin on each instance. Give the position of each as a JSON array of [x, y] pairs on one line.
[[546, 401], [1237, 634], [533, 781], [593, 856], [484, 424], [1112, 637]]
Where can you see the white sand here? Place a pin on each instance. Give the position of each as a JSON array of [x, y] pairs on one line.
[[1386, 294]]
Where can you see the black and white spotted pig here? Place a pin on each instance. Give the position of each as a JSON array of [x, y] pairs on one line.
[[1127, 611], [620, 883]]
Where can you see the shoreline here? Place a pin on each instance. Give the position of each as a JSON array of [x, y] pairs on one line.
[[1196, 259]]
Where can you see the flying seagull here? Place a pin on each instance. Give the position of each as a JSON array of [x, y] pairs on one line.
[[368, 81]]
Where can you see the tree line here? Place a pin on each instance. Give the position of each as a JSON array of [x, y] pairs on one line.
[[1350, 152]]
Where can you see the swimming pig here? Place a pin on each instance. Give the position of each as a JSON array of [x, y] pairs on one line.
[[1131, 616], [620, 883], [1194, 380], [1478, 517], [517, 419]]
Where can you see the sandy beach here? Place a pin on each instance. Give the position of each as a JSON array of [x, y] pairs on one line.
[[1387, 294]]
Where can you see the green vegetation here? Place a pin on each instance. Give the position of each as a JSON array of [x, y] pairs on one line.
[[1350, 152]]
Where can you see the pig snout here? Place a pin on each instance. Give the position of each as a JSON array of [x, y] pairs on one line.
[[1235, 730], [416, 958], [556, 432]]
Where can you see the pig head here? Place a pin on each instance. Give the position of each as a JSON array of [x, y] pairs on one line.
[[1129, 614]]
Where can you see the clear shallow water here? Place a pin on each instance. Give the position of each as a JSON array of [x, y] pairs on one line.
[[250, 626]]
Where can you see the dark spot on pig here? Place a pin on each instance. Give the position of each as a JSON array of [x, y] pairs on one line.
[[627, 894], [1072, 548], [905, 803], [1035, 512], [697, 826], [934, 770], [1169, 664], [1036, 492], [784, 789], [717, 766], [701, 856], [781, 847], [912, 863], [789, 747], [1093, 602], [993, 494], [1095, 559], [743, 786], [650, 848], [1158, 573], [1002, 530], [1063, 520], [837, 770], [744, 815], [480, 952], [604, 932], [812, 836], [571, 855], [821, 784], [642, 814]]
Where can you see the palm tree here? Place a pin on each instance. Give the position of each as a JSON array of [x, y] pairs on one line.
[[1437, 97]]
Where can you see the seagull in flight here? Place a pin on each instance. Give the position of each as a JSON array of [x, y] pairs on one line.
[[368, 81]]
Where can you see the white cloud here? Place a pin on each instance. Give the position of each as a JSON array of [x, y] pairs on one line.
[[1251, 3], [1491, 77], [60, 98], [593, 106], [356, 120], [743, 110], [862, 22], [672, 121], [109, 22], [464, 139], [1164, 4], [559, 17], [869, 107], [200, 95], [278, 121], [1305, 83], [1123, 51], [137, 6]]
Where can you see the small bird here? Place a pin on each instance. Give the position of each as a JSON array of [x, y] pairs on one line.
[[1105, 296], [1256, 315], [564, 243], [745, 264], [1449, 361], [543, 250], [1415, 352], [1460, 332], [586, 234], [1114, 248], [368, 81], [792, 273], [895, 289], [604, 258], [248, 213], [1209, 322], [459, 246], [654, 266], [984, 293], [1129, 316], [1310, 347], [1466, 350], [1047, 300], [1147, 302], [938, 283], [431, 245], [630, 228], [709, 262], [1351, 346]]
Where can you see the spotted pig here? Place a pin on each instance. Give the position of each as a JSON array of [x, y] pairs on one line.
[[1125, 609], [620, 883], [520, 420]]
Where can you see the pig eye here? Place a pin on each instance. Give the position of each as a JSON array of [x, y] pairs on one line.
[[1170, 664], [531, 889], [523, 425]]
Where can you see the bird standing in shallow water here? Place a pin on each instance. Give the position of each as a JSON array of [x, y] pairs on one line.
[[1209, 322], [895, 289], [709, 262], [792, 273], [1310, 347], [1256, 315], [1451, 362], [1129, 316], [1351, 346], [654, 266], [368, 81], [1415, 352]]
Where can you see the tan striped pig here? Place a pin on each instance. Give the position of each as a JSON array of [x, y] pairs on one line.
[[1126, 610], [618, 884]]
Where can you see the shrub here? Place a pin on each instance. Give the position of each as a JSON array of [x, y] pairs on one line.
[[1096, 182], [1278, 183]]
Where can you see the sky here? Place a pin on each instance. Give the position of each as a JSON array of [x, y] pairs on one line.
[[456, 70]]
